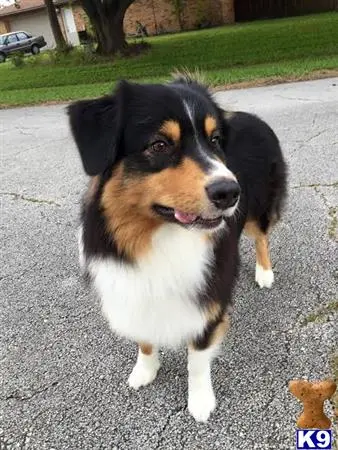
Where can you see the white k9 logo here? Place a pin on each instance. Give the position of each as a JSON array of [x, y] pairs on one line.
[[313, 439]]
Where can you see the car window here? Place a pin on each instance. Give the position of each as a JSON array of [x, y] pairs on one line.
[[2, 40], [22, 36], [11, 38]]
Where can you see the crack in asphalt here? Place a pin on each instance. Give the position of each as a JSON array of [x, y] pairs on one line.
[[315, 135], [332, 210], [301, 99], [17, 196], [322, 195], [315, 185], [304, 142], [166, 424], [17, 396], [332, 213]]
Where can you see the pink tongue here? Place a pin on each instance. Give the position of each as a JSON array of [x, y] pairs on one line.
[[184, 217]]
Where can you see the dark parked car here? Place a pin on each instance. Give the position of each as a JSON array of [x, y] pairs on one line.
[[19, 41]]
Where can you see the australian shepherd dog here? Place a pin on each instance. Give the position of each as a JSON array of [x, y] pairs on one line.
[[174, 181]]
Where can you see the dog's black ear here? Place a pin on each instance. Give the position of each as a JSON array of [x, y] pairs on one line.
[[95, 127]]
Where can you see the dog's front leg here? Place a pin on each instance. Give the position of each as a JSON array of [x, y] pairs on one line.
[[146, 367], [201, 397]]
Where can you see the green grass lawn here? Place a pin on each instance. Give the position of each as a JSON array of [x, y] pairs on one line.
[[283, 48]]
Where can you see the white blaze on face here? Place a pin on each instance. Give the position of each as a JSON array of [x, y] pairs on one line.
[[190, 111], [218, 170]]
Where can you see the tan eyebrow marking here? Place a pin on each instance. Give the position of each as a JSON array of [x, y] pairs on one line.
[[171, 129], [210, 125]]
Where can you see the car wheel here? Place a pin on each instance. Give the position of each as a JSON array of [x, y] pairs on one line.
[[35, 49], [2, 57]]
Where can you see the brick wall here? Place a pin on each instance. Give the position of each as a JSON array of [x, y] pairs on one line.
[[159, 15], [154, 14], [79, 18]]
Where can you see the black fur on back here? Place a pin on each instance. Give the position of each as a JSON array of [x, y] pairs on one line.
[[253, 153]]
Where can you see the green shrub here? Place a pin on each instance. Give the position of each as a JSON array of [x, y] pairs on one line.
[[78, 56], [60, 55], [85, 55]]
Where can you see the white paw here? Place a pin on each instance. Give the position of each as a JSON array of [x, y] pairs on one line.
[[264, 278], [201, 403], [143, 374]]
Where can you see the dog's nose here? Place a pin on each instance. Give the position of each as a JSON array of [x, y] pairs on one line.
[[223, 193]]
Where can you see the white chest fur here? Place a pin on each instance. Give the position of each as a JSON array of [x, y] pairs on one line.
[[155, 301]]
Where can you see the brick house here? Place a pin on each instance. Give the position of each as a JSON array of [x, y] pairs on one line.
[[158, 16]]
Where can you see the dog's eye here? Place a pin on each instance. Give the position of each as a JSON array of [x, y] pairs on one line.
[[215, 139], [158, 146]]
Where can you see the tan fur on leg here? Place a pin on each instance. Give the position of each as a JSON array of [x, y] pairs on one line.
[[146, 349], [264, 274], [220, 331]]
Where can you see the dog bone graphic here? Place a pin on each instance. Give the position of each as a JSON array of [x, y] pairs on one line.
[[313, 395]]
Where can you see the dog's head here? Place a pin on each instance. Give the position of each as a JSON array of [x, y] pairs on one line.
[[160, 150]]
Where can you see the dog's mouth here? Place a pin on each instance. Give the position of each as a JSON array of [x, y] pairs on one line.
[[187, 219]]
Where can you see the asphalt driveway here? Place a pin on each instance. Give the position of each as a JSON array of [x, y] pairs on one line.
[[63, 374]]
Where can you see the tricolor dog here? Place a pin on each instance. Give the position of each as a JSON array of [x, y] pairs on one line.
[[174, 181]]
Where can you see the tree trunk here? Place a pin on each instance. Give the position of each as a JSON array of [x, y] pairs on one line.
[[54, 23], [111, 38], [107, 17]]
